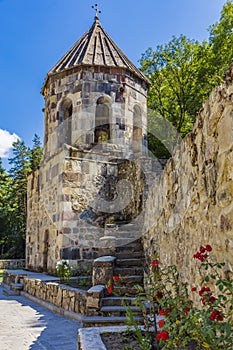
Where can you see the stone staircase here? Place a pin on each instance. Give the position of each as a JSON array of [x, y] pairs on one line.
[[129, 266], [12, 283]]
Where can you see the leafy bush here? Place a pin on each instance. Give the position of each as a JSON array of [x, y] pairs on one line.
[[63, 269], [181, 325]]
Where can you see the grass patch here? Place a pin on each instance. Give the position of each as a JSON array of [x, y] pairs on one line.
[[1, 275]]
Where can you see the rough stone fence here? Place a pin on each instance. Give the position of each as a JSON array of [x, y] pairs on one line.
[[68, 298], [12, 264], [48, 288]]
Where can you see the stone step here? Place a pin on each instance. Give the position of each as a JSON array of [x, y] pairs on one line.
[[100, 321], [129, 254], [130, 280], [128, 271], [16, 286], [128, 227], [129, 262], [124, 241], [119, 310], [10, 293], [118, 301], [133, 246], [128, 291], [126, 234]]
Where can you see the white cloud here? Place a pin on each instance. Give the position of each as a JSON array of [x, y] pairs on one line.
[[6, 140]]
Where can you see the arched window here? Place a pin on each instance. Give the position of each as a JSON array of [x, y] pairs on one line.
[[65, 121], [66, 109], [137, 128], [46, 128], [102, 120]]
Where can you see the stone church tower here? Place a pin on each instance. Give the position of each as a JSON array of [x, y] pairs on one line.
[[95, 122]]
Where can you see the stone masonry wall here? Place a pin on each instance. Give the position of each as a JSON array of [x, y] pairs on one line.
[[69, 199], [191, 203], [68, 298], [12, 264]]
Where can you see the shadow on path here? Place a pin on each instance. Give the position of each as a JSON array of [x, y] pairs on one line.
[[25, 325]]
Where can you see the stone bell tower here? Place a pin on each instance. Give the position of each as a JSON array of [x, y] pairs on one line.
[[95, 118], [94, 94]]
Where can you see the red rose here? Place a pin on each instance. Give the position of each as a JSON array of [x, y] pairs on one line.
[[194, 289], [158, 295], [163, 335], [202, 249], [208, 248], [216, 316], [110, 289], [161, 323], [116, 278], [212, 299], [219, 317], [186, 310], [204, 290], [155, 263], [203, 300], [164, 312], [198, 256]]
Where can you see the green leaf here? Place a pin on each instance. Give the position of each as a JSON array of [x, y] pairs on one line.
[[220, 287]]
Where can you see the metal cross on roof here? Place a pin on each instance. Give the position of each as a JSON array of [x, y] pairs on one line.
[[96, 8]]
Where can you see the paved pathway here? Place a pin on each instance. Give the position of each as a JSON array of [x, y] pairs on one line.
[[25, 325]]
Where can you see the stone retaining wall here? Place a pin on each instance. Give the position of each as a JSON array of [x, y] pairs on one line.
[[191, 203], [68, 298], [12, 264], [10, 277]]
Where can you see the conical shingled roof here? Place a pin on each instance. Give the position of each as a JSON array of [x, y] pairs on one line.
[[96, 48]]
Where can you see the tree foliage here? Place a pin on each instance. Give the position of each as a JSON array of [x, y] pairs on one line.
[[183, 72], [13, 197], [5, 210], [221, 41], [36, 153]]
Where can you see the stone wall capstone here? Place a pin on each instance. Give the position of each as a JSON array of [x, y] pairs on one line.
[[191, 203]]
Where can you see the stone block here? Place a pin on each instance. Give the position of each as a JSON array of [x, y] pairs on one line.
[[103, 270], [70, 253]]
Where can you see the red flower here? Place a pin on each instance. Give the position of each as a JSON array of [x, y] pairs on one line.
[[203, 300], [205, 290], [155, 263], [202, 249], [164, 312], [194, 289], [161, 323], [208, 248], [201, 255], [208, 298], [212, 299], [186, 310], [110, 289], [198, 256], [158, 295], [216, 316], [116, 278], [163, 335], [219, 317]]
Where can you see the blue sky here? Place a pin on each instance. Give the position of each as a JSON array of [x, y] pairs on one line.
[[34, 35]]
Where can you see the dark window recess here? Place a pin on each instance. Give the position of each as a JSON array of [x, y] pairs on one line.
[[70, 253], [122, 127], [119, 122]]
